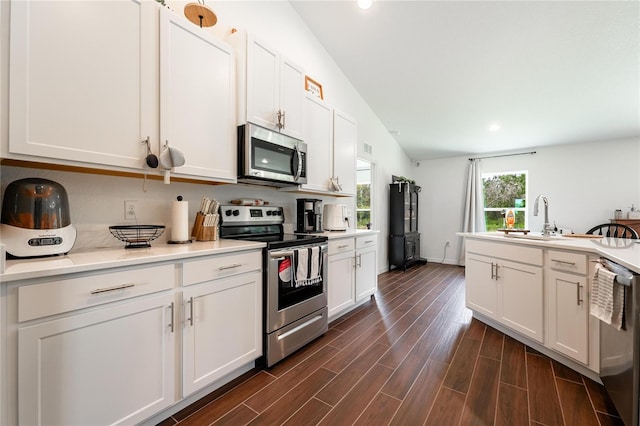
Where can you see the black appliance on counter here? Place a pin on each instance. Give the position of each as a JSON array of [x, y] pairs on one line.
[[295, 310], [404, 238], [308, 215]]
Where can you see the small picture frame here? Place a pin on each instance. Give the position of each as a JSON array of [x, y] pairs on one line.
[[310, 85]]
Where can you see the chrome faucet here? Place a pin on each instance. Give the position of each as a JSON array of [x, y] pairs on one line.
[[546, 229]]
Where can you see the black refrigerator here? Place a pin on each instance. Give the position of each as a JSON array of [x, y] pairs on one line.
[[404, 238]]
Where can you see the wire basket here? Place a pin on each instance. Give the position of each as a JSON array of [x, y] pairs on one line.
[[137, 236]]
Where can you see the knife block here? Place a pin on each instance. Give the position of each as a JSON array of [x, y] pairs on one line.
[[201, 232]]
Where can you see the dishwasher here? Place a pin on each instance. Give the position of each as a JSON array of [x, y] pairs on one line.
[[619, 349]]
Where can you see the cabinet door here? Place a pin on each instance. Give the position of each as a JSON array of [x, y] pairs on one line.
[[263, 91], [114, 365], [366, 273], [481, 288], [567, 314], [197, 92], [222, 330], [520, 298], [318, 135], [344, 151], [83, 80], [291, 97], [340, 289]]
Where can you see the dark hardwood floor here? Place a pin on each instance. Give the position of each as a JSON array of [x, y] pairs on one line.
[[411, 356]]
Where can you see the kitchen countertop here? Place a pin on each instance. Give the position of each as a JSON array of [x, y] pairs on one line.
[[90, 260], [625, 252]]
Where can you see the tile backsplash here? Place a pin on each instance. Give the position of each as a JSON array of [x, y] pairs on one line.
[[97, 201]]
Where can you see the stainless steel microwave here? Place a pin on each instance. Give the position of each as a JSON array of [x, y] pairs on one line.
[[270, 158]]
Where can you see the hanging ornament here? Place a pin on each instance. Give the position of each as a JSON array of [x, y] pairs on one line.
[[200, 14]]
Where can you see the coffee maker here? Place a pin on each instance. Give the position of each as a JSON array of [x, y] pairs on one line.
[[309, 215]]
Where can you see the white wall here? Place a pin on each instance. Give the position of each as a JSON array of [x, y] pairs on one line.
[[584, 183], [96, 201]]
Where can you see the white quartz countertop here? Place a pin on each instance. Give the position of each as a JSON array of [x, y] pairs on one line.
[[625, 252], [90, 260]]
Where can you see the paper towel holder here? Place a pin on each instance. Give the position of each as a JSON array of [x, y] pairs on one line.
[[179, 198]]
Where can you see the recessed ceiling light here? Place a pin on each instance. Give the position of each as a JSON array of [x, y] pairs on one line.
[[494, 127], [365, 4]]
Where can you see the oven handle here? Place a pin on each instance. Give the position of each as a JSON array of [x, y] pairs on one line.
[[289, 253]]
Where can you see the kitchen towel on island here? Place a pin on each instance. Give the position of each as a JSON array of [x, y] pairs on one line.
[[308, 264], [607, 297]]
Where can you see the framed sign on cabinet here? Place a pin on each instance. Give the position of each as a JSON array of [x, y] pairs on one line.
[[310, 85]]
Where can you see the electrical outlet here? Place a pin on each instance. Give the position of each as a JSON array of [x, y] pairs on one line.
[[130, 209]]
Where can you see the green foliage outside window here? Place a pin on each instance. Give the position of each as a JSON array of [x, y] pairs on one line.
[[501, 192], [363, 206]]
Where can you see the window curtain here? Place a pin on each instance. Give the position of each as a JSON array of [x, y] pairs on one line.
[[473, 214]]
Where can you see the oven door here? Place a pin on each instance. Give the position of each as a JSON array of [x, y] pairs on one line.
[[285, 301], [269, 155]]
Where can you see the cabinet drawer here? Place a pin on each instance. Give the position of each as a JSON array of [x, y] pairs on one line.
[[224, 265], [567, 261], [366, 241], [341, 245], [510, 251], [55, 297]]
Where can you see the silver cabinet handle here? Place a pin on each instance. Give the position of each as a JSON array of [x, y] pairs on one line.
[[578, 287], [343, 246], [368, 241], [497, 266], [235, 265], [492, 274], [359, 261], [172, 312], [118, 287], [564, 262], [190, 319]]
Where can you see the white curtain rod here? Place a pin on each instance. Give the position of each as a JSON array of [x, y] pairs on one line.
[[503, 155]]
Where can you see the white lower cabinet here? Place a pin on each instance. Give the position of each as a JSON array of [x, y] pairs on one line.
[[222, 328], [548, 292], [103, 347], [353, 272], [567, 314], [567, 304], [504, 283], [366, 266], [340, 290], [110, 366], [506, 291]]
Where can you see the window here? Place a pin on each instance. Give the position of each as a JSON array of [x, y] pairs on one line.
[[502, 191], [363, 194]]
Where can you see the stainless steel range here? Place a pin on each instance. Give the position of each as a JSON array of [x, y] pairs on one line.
[[295, 274]]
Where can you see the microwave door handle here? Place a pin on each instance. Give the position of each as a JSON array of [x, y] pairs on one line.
[[297, 161]]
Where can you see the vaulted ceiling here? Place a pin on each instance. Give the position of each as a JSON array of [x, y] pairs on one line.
[[439, 74]]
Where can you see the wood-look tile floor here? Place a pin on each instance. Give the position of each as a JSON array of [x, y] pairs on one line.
[[412, 355]]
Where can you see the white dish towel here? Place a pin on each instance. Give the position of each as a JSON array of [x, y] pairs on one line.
[[607, 297], [308, 268]]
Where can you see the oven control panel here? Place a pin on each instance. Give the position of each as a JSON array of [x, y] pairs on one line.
[[233, 214]]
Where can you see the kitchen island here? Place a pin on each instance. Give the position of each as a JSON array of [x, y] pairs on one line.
[[537, 290]]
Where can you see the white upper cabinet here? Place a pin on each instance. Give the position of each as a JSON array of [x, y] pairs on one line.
[[197, 94], [83, 80], [318, 135], [345, 134], [270, 86]]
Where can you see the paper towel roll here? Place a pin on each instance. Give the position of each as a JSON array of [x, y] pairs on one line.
[[180, 220]]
